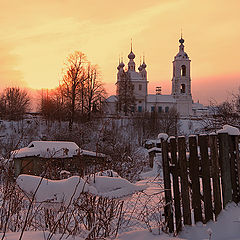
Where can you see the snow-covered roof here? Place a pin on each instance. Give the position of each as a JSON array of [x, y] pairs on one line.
[[160, 98], [112, 99], [230, 130], [52, 149], [199, 106]]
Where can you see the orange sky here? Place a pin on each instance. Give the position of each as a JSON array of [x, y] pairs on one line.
[[37, 36]]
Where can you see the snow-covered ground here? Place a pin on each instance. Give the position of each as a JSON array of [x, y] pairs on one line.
[[226, 228]]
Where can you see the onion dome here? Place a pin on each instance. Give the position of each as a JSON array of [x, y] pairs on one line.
[[131, 55], [121, 65], [140, 68], [144, 65], [181, 40], [118, 67]]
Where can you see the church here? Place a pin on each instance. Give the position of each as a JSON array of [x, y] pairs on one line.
[[180, 97]]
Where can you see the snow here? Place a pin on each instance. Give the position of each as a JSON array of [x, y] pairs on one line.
[[230, 130], [52, 149], [227, 227], [155, 149], [163, 136], [66, 190], [108, 173], [48, 149], [37, 235], [111, 99], [160, 98]]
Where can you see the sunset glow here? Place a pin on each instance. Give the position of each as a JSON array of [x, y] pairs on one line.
[[37, 36]]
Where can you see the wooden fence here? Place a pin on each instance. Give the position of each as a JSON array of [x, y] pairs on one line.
[[201, 175]]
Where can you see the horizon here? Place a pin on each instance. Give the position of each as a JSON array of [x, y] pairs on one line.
[[39, 36]]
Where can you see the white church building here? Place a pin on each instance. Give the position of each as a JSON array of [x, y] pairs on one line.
[[180, 98]]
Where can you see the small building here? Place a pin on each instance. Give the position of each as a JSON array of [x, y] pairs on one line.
[[49, 158]]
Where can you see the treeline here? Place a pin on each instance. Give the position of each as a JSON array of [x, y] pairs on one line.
[[80, 94]]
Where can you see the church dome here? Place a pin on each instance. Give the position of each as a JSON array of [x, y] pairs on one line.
[[131, 55], [121, 65], [181, 40], [144, 65], [140, 68]]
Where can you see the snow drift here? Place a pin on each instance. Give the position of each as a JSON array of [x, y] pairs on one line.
[[66, 190]]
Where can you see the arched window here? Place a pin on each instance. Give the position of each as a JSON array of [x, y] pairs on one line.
[[183, 70], [183, 88]]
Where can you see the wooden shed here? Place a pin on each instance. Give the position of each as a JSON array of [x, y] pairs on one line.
[[49, 158]]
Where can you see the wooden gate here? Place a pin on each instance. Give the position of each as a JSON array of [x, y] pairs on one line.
[[201, 175]]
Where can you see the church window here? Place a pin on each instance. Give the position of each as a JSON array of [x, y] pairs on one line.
[[140, 87], [139, 108], [140, 101], [166, 109], [132, 87], [183, 70], [160, 109], [183, 88], [152, 108]]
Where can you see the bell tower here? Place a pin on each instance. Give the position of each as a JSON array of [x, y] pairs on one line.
[[181, 81]]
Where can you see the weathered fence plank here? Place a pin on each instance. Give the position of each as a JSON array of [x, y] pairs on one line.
[[223, 162], [207, 197], [176, 191], [238, 159], [184, 181], [225, 168], [167, 188], [194, 175], [215, 174], [234, 174]]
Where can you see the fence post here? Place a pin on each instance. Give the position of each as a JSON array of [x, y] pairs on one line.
[[225, 168], [207, 197], [176, 192], [167, 187], [184, 181], [237, 159], [194, 175], [233, 149], [215, 174]]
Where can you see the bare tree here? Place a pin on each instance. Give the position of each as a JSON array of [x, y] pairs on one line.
[[72, 84], [81, 89], [94, 91], [125, 97], [149, 125], [14, 103], [227, 112], [52, 105]]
